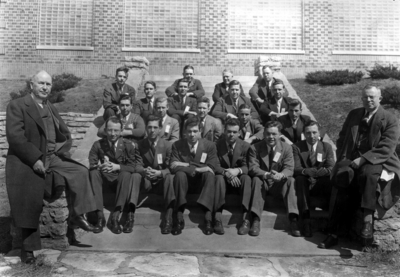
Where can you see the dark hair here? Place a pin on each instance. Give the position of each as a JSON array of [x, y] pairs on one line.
[[114, 120], [191, 122], [278, 82], [244, 106], [188, 66], [184, 80], [272, 124], [295, 103], [160, 99], [122, 68], [151, 83], [232, 122], [204, 99], [310, 123], [153, 117], [125, 97], [234, 83]]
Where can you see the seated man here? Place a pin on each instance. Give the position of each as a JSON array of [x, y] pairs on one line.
[[232, 175], [222, 89], [293, 123], [193, 161], [228, 107], [251, 131], [133, 127], [210, 127], [170, 126], [181, 107], [113, 92], [261, 90], [313, 163], [146, 105], [39, 144], [156, 153], [271, 166], [112, 161], [195, 88], [276, 106], [368, 168]]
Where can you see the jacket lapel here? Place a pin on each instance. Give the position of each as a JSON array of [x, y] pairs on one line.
[[105, 145], [355, 123], [158, 151], [304, 153], [33, 111], [319, 151], [199, 151], [229, 105], [224, 150], [120, 148], [207, 126], [376, 124], [114, 92], [299, 128], [236, 152], [264, 155], [278, 149], [273, 105], [147, 152]]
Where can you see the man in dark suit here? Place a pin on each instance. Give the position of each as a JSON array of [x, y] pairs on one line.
[[39, 144], [293, 123], [113, 92], [170, 130], [366, 150], [195, 88], [156, 153], [228, 107], [276, 106], [222, 89], [133, 127], [181, 106], [145, 106], [112, 161], [271, 166], [210, 127], [232, 173], [313, 163], [251, 131], [193, 161]]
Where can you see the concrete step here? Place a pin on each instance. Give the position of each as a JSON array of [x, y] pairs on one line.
[[202, 78]]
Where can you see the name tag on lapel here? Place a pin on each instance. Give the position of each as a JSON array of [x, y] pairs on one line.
[[167, 128], [159, 159], [276, 157], [203, 158], [129, 126], [302, 136], [319, 157], [187, 109], [283, 110], [247, 135]]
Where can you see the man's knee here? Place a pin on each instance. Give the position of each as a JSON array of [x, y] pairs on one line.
[[180, 177]]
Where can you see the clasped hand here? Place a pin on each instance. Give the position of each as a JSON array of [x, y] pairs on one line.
[[275, 176], [151, 173]]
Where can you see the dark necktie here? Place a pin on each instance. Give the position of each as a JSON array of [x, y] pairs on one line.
[[271, 157], [192, 151], [230, 153], [153, 148], [313, 159]]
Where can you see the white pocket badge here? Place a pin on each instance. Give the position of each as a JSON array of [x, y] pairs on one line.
[[167, 128], [203, 158], [302, 136], [277, 156], [247, 135], [159, 159], [187, 109], [319, 157]]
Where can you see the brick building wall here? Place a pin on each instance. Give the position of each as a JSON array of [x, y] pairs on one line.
[[21, 57]]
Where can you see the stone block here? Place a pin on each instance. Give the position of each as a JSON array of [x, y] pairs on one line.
[[4, 145], [81, 130], [3, 139], [84, 119], [2, 117], [88, 115], [59, 244], [79, 124], [137, 59], [3, 152], [77, 136], [274, 62], [386, 242]]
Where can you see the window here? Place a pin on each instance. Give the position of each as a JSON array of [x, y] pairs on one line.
[[265, 26], [3, 26], [66, 24], [160, 25]]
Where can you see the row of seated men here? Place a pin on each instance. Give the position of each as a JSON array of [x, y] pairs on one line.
[[196, 164]]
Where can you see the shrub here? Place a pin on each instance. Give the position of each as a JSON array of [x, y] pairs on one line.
[[391, 96], [384, 72], [334, 77], [61, 83]]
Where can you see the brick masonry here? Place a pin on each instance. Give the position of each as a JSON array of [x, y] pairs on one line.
[[21, 57]]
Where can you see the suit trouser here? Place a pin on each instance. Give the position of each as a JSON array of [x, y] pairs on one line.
[[284, 189], [203, 183], [126, 184], [322, 188], [244, 190], [80, 194], [165, 183]]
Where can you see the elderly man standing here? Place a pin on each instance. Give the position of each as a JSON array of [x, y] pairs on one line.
[[366, 150], [39, 142], [113, 92]]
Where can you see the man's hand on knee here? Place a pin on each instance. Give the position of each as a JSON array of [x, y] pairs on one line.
[[39, 167]]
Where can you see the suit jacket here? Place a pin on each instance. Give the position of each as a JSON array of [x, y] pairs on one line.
[[220, 91], [177, 107], [143, 104], [260, 89], [195, 86], [287, 129], [301, 156], [162, 148], [111, 94], [134, 123], [181, 153], [26, 135], [239, 158], [382, 138], [271, 106], [254, 128], [212, 129], [173, 130], [225, 106], [258, 159], [126, 155]]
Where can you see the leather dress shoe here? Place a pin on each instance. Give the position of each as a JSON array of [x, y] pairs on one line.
[[114, 226], [244, 228], [218, 227], [328, 242], [166, 227], [255, 228], [101, 222], [27, 257], [80, 222], [307, 229], [208, 229], [294, 229], [179, 226], [367, 230], [130, 220]]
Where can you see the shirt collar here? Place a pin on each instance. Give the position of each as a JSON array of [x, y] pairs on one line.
[[164, 118], [233, 145], [156, 141], [313, 146], [111, 144], [195, 146]]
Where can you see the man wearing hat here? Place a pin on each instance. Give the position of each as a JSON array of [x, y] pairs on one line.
[[368, 169]]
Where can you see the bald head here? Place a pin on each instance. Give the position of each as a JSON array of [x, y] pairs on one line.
[[41, 73], [371, 98], [41, 85]]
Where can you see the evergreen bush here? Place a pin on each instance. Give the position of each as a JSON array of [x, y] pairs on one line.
[[333, 77]]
